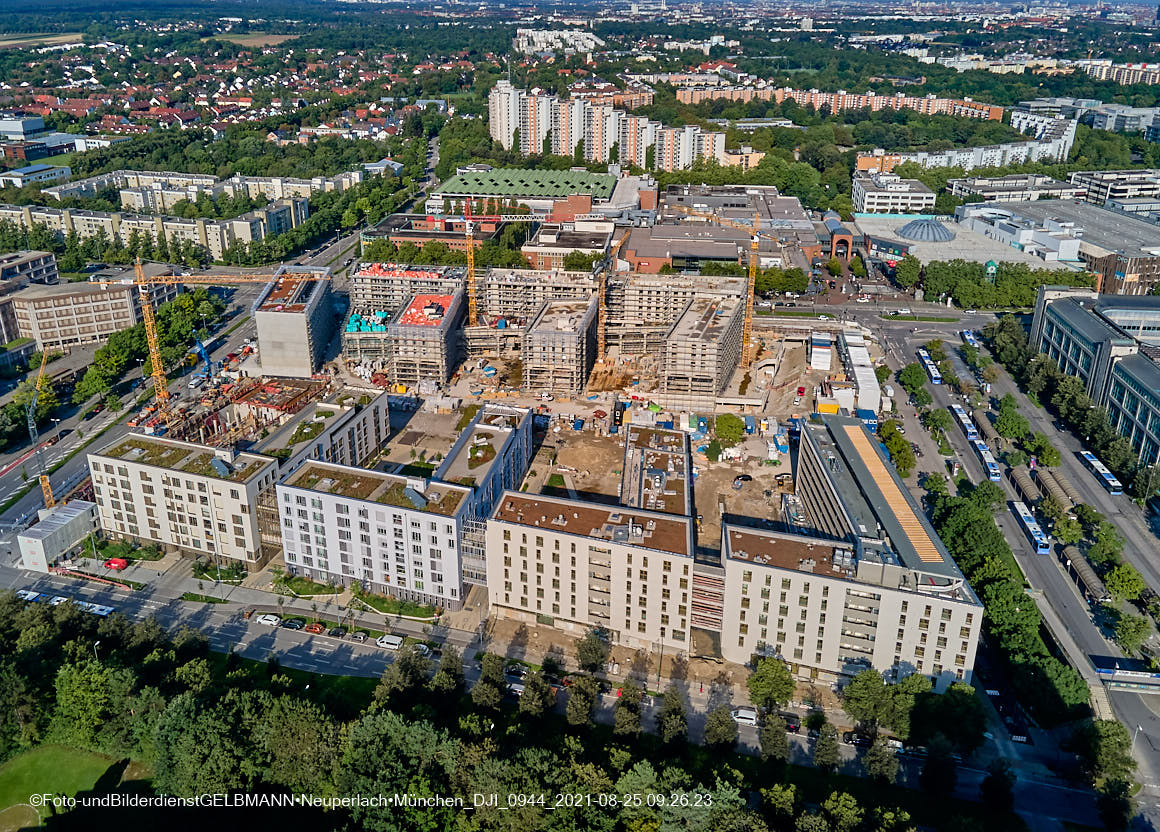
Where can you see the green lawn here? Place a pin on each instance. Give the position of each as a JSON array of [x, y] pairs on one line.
[[49, 768], [393, 606], [201, 599], [304, 586]]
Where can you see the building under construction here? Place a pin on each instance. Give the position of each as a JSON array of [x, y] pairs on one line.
[[295, 321], [508, 299], [641, 308], [701, 351], [559, 347], [382, 288], [423, 341]]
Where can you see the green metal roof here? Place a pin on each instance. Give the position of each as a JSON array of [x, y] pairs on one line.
[[529, 183]]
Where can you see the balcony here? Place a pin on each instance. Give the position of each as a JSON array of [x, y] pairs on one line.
[[859, 617]]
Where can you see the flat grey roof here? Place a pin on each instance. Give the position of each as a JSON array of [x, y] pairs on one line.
[[1085, 321], [872, 498], [1111, 230]]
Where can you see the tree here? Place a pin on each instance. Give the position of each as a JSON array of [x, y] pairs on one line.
[[89, 694], [1124, 582], [939, 773], [907, 272], [1107, 545], [834, 267], [447, 682], [672, 720], [1114, 800], [592, 650], [912, 378], [1132, 631], [826, 752], [882, 373], [581, 261], [626, 719], [486, 695], [842, 811], [865, 698], [998, 789], [1067, 530], [955, 715], [537, 698], [774, 740], [582, 697], [720, 729], [1012, 424], [987, 496], [405, 675], [729, 429], [1145, 483], [1104, 748], [299, 744], [771, 684], [881, 761], [780, 801], [1040, 447]]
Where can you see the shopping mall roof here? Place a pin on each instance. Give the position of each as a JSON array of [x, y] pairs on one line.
[[516, 182]]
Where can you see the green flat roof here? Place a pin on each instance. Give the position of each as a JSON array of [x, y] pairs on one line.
[[529, 183]]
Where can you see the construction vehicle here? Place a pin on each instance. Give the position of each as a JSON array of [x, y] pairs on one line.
[[755, 234], [148, 314], [34, 434]]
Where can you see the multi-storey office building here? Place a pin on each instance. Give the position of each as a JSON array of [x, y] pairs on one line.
[[200, 500], [65, 315], [888, 193], [580, 565], [1018, 187], [394, 535], [29, 267], [1110, 343], [1103, 186]]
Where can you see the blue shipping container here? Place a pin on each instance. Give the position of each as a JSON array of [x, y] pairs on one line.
[[667, 425], [750, 424]]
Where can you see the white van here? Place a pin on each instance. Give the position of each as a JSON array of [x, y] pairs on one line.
[[745, 716], [389, 642]]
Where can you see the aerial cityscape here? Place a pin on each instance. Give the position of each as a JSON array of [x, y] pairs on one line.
[[607, 415]]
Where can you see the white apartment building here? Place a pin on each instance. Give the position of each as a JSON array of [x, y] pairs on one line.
[[597, 128], [395, 535], [888, 193], [194, 498], [348, 428], [581, 565]]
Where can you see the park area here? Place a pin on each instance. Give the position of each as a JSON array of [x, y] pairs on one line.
[[54, 769]]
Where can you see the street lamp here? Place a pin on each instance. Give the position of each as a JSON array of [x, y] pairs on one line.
[[96, 644]]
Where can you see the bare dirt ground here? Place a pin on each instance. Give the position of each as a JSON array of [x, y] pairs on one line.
[[254, 39], [426, 436], [597, 461]]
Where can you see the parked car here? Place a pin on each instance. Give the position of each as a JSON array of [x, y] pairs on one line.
[[797, 401], [744, 716], [116, 563], [793, 722], [515, 670], [359, 636], [854, 738], [389, 641], [317, 628], [293, 624], [801, 391], [338, 632], [269, 620], [422, 650]]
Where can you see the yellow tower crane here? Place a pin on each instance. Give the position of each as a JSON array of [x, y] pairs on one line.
[[34, 434], [755, 235], [469, 220], [144, 285]]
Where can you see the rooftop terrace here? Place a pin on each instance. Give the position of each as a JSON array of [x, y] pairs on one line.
[[186, 457], [629, 527], [373, 486]]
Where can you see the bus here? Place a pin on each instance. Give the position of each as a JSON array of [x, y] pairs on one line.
[[965, 422], [1039, 540], [929, 366], [989, 464], [969, 339], [1106, 477]]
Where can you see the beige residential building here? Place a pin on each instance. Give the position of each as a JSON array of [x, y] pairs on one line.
[[579, 565], [701, 351], [200, 500]]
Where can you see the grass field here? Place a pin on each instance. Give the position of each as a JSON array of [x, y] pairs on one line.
[[50, 768], [37, 39], [254, 39]]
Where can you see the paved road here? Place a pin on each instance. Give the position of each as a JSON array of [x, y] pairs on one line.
[[226, 629]]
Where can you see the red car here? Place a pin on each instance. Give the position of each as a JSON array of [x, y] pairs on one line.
[[116, 563], [801, 391], [317, 628]]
